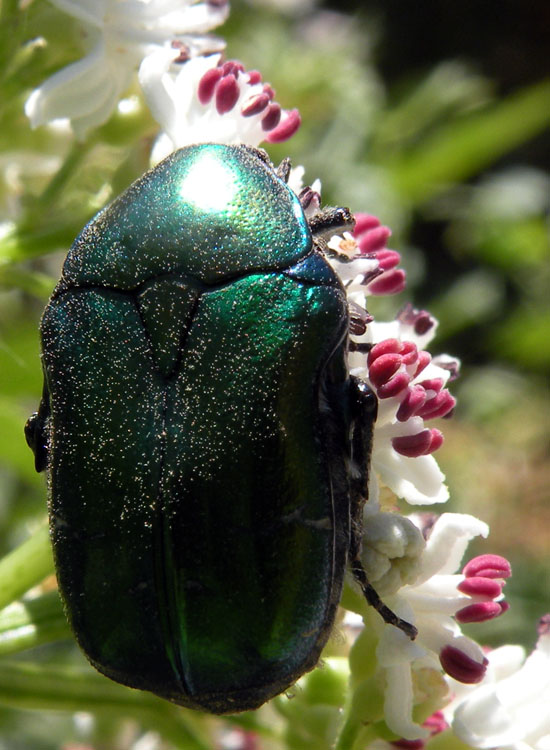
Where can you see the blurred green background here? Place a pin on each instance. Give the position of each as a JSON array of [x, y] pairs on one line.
[[434, 117]]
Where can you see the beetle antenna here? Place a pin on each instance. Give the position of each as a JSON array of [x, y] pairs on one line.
[[374, 600]]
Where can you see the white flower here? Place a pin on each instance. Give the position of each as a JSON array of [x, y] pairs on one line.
[[121, 33], [202, 100], [510, 709], [410, 386], [425, 590]]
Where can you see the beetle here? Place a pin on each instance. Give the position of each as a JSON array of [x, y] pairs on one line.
[[205, 445]]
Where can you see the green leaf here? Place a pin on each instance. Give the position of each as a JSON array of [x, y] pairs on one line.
[[467, 145]]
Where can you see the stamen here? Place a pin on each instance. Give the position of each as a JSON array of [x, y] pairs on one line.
[[227, 94], [461, 667], [488, 566]]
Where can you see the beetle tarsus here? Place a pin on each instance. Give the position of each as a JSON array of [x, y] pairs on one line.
[[283, 170], [374, 600]]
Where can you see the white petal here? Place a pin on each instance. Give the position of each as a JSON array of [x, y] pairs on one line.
[[398, 704], [396, 648], [418, 480], [85, 92], [448, 541]]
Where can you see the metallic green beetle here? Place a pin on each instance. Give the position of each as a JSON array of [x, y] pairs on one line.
[[205, 445]]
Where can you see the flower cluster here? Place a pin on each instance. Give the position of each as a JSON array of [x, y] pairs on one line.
[[205, 99], [413, 562]]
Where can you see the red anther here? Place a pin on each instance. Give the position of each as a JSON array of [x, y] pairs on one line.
[[254, 105], [479, 586], [387, 258], [409, 353], [227, 94], [207, 84], [413, 401], [272, 116], [432, 384], [462, 667], [421, 320], [409, 744], [424, 359], [232, 67], [373, 240], [413, 446], [423, 323], [391, 282], [269, 91], [488, 566], [438, 406], [363, 223], [543, 626], [435, 723], [383, 367], [394, 386], [387, 346], [478, 612], [286, 128], [254, 76], [437, 440]]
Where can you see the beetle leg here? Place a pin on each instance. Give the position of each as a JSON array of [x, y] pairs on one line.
[[36, 431], [283, 170], [364, 408]]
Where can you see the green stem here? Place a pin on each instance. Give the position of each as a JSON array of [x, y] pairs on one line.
[[56, 185], [30, 623], [26, 685], [348, 733], [26, 566]]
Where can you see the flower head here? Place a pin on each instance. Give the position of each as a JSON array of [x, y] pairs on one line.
[[121, 34], [205, 99], [420, 582], [363, 261], [410, 386]]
